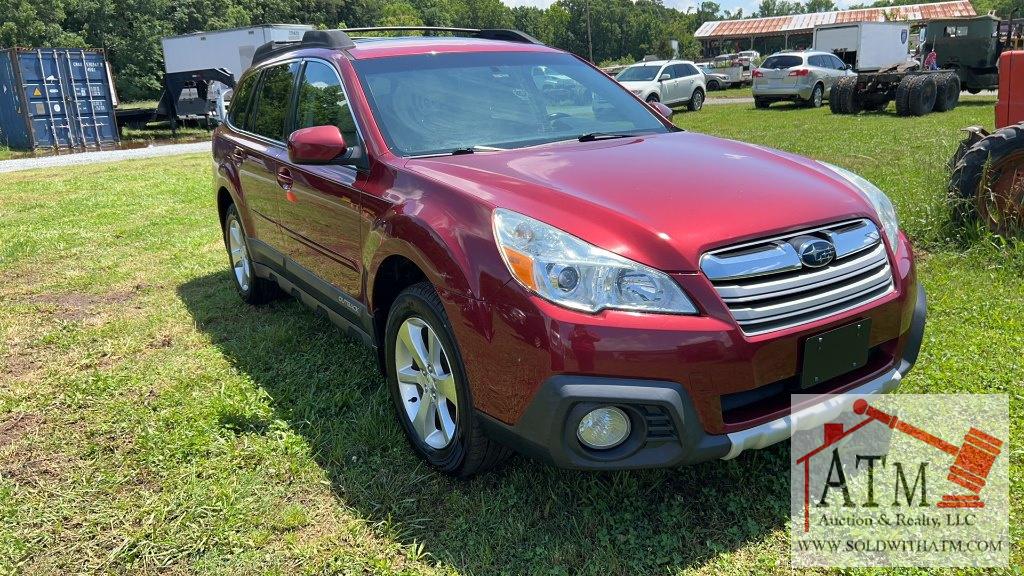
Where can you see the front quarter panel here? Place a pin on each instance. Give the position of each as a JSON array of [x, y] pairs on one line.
[[445, 233]]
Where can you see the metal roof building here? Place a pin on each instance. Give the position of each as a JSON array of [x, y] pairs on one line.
[[800, 26]]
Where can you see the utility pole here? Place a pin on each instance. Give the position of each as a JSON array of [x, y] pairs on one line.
[[590, 39]]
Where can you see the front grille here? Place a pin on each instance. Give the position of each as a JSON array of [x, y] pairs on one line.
[[766, 286]]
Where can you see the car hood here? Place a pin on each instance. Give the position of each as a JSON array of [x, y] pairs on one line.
[[662, 199], [642, 85]]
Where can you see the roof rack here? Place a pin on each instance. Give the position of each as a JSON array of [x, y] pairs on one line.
[[331, 39], [482, 33], [340, 39]]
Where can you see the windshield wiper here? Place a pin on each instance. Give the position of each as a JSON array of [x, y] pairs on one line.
[[592, 136], [471, 149]]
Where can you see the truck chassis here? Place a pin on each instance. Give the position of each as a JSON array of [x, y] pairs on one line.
[[916, 92]]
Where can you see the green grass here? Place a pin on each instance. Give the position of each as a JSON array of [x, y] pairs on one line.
[[162, 131], [150, 422], [738, 92], [137, 104], [5, 153]]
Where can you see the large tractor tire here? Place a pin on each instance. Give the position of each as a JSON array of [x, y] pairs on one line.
[[922, 95], [903, 95], [947, 94], [988, 182], [843, 99]]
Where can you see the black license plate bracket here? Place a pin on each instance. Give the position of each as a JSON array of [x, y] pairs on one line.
[[836, 352]]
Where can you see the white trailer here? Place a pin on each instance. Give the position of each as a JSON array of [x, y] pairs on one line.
[[198, 67], [866, 46], [232, 49]]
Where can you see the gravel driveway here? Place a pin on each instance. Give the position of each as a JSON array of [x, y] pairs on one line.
[[102, 156]]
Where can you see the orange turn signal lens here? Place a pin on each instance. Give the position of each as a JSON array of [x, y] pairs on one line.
[[521, 266]]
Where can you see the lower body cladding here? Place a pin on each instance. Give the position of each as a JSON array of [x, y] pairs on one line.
[[663, 426], [779, 94]]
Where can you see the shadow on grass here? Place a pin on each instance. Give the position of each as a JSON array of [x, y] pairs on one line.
[[524, 518]]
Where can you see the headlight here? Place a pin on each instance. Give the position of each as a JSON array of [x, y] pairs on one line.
[[568, 271], [883, 206]]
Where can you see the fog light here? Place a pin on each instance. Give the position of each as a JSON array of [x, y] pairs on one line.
[[603, 428]]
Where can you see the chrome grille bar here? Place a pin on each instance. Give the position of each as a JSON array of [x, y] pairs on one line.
[[764, 291]]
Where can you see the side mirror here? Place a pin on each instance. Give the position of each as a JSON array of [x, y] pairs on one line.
[[316, 145], [665, 76], [847, 67], [662, 109]]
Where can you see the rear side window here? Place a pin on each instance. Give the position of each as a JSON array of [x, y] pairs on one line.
[[274, 102], [818, 61], [689, 69], [322, 102], [241, 101], [782, 62]]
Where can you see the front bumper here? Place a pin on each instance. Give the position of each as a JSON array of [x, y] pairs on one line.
[[667, 429]]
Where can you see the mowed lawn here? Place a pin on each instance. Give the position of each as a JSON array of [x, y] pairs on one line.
[[151, 422]]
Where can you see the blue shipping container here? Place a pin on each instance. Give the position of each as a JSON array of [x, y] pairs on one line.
[[55, 98]]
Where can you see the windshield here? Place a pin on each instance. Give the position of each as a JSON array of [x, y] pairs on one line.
[[442, 103], [638, 74], [782, 62]]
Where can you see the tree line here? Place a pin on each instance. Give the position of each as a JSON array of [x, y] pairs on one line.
[[130, 30]]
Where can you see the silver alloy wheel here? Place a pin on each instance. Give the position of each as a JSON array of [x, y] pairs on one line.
[[239, 255], [698, 101], [817, 96], [426, 383]]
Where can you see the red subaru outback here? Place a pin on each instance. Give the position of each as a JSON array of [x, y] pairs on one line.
[[555, 267]]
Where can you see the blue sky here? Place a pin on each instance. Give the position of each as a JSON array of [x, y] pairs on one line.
[[748, 6]]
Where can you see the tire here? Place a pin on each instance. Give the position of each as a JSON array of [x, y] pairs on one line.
[[922, 95], [460, 449], [817, 96], [651, 98], [251, 289], [714, 85], [762, 103], [970, 186], [973, 91], [903, 96], [947, 92], [843, 99], [696, 100]]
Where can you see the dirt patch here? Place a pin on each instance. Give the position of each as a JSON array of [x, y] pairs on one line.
[[21, 461], [78, 306], [15, 427], [18, 362]]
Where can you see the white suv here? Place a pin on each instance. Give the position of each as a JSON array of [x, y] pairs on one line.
[[666, 81]]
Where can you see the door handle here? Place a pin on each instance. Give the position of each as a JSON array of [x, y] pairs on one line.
[[238, 155], [284, 179]]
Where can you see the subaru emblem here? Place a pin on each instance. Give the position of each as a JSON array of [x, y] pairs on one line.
[[814, 252]]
